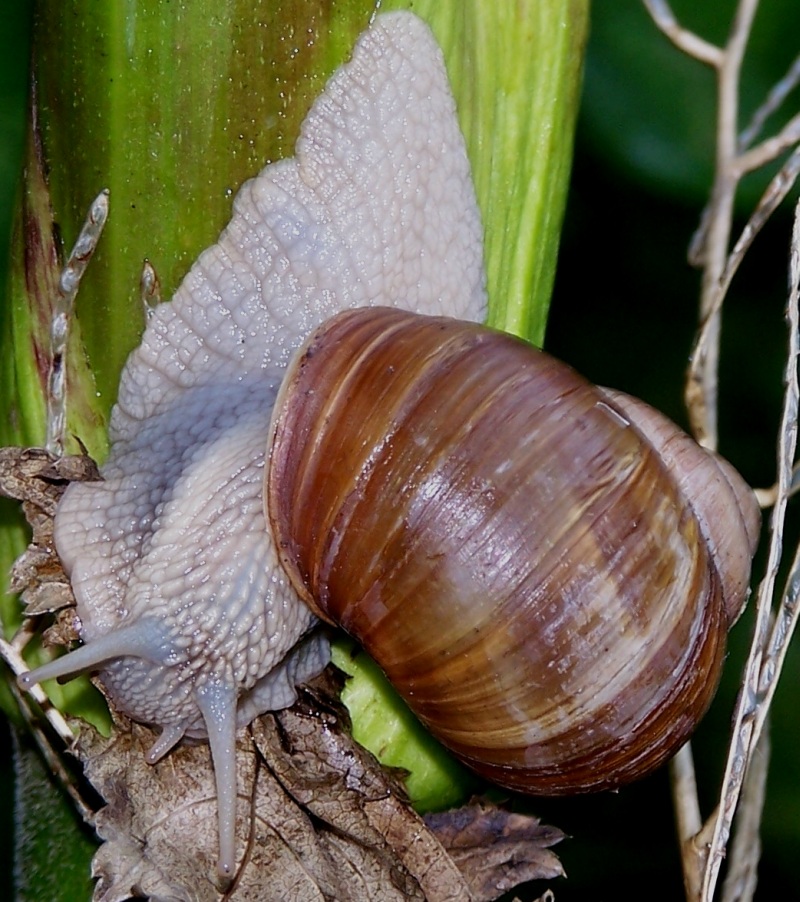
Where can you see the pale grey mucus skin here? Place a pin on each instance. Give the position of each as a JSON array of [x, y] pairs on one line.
[[184, 608]]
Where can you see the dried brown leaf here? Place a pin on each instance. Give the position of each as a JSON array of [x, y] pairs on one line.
[[159, 824], [318, 819], [160, 834], [497, 849], [38, 478], [340, 785]]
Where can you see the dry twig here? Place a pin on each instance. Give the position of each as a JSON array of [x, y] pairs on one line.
[[68, 284], [703, 848], [773, 101], [767, 650]]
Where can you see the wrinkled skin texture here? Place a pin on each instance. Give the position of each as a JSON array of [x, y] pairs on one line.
[[185, 610]]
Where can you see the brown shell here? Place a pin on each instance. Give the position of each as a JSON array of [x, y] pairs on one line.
[[504, 542]]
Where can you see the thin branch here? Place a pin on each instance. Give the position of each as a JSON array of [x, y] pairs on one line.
[[775, 193], [782, 632], [766, 497], [54, 759], [729, 78], [749, 161], [787, 617], [710, 248], [750, 708], [742, 877], [773, 196], [689, 822], [703, 849], [15, 661], [684, 790], [701, 391], [682, 38], [696, 254], [62, 314], [770, 149], [775, 98], [11, 653]]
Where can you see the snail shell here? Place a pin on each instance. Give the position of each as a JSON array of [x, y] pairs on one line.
[[507, 541]]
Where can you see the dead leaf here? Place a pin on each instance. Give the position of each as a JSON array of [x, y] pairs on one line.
[[339, 784], [481, 852], [38, 479], [159, 823], [497, 849], [35, 475], [318, 820]]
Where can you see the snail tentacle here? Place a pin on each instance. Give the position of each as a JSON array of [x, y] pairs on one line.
[[216, 700], [143, 639], [169, 738]]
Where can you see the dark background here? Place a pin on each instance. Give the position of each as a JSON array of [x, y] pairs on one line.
[[623, 313]]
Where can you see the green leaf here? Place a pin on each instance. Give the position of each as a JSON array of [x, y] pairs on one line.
[[171, 107], [52, 848], [34, 274], [516, 74], [383, 723]]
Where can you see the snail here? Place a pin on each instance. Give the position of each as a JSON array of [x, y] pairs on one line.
[[186, 610]]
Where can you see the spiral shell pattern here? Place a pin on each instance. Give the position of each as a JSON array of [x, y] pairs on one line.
[[506, 544]]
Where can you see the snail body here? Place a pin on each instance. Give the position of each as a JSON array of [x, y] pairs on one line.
[[186, 612], [508, 545]]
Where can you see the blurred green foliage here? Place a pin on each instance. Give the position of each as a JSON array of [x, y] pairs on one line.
[[649, 110], [14, 53], [623, 313]]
